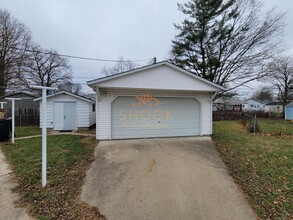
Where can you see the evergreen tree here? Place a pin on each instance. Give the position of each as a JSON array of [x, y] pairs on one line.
[[225, 41]]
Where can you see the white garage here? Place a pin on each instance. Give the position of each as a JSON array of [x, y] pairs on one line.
[[159, 100], [68, 112]]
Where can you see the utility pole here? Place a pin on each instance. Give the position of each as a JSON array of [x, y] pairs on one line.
[[13, 116], [44, 130]]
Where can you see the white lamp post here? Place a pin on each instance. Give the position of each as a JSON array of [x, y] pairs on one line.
[[13, 116], [2, 104], [44, 130]]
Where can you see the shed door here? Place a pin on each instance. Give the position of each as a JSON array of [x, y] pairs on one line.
[[69, 116], [58, 116], [144, 117], [64, 116]]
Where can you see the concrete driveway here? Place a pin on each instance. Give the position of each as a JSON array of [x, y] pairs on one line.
[[171, 178]]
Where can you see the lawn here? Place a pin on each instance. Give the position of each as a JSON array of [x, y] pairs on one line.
[[24, 131], [262, 165], [69, 157], [280, 127]]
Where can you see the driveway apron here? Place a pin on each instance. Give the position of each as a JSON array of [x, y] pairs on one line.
[[169, 178]]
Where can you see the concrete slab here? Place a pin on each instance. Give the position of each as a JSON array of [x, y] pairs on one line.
[[170, 178], [8, 199]]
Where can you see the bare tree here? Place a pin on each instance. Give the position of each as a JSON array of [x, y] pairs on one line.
[[263, 93], [15, 38], [71, 87], [46, 68], [121, 66], [227, 42], [281, 76]]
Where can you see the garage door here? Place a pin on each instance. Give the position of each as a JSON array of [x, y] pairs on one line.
[[145, 116]]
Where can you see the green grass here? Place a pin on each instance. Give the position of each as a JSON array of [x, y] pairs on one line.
[[68, 158], [24, 131], [261, 165], [271, 126]]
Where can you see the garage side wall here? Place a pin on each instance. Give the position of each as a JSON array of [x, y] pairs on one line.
[[83, 111], [92, 115], [107, 97]]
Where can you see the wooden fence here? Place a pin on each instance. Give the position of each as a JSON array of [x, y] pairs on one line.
[[230, 116], [26, 116]]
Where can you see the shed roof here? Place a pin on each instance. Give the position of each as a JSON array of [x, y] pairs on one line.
[[66, 93], [166, 63]]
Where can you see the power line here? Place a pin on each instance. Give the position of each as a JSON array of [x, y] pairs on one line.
[[81, 57]]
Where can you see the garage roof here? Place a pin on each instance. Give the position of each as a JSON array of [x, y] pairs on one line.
[[106, 81]]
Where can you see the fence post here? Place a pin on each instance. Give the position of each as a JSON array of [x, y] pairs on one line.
[[254, 124]]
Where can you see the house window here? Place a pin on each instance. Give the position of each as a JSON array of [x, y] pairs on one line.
[[251, 106], [94, 107]]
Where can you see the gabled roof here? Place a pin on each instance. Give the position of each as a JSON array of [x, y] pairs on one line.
[[264, 102], [21, 93], [66, 93], [290, 104], [118, 75], [274, 103]]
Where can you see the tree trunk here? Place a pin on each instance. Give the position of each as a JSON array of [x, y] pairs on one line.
[[2, 79]]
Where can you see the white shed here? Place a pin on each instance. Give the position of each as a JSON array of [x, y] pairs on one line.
[[67, 111], [159, 100]]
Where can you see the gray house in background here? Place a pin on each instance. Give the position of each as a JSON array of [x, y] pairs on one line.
[[233, 104], [27, 100], [274, 107], [26, 110], [255, 105]]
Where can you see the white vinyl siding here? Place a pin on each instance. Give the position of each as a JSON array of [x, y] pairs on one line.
[[92, 115], [108, 96], [84, 115], [162, 77]]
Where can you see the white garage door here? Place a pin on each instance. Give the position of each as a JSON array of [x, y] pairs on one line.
[[146, 116]]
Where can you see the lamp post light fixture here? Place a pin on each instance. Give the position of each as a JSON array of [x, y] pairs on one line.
[[13, 116]]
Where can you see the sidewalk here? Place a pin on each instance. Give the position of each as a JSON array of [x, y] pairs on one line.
[[7, 197]]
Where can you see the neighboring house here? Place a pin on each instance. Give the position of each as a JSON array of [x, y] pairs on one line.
[[159, 100], [289, 111], [255, 105], [274, 107], [218, 105], [27, 100], [232, 104], [67, 111]]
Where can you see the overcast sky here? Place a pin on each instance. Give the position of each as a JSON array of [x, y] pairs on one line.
[[133, 29]]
